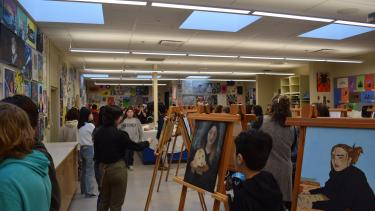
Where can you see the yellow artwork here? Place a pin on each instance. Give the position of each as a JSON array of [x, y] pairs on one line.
[[19, 83], [31, 33]]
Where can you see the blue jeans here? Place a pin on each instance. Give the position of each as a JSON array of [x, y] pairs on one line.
[[129, 157], [87, 174]]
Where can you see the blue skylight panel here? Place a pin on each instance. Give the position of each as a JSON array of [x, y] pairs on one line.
[[336, 32], [216, 21], [64, 12], [146, 76], [95, 75]]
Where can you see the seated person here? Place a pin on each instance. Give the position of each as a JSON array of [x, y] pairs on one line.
[[260, 191]]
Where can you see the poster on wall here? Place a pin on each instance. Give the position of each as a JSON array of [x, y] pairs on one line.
[[34, 69], [1, 14], [40, 97], [344, 95], [21, 26], [31, 33], [40, 67], [27, 88], [367, 97], [224, 89], [39, 41], [200, 87], [231, 99], [352, 83], [12, 48], [342, 83], [8, 83], [34, 92], [19, 87], [323, 82], [9, 14], [360, 83], [355, 97], [28, 66], [369, 82]]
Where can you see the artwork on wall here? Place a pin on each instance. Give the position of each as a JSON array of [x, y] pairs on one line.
[[9, 14], [19, 87], [12, 48], [34, 69], [345, 160], [189, 100], [224, 89], [355, 97], [27, 88], [323, 82], [21, 26], [352, 83], [344, 95], [342, 83], [212, 100], [28, 65], [360, 83], [40, 67], [34, 92], [8, 83], [203, 164], [31, 33], [200, 87], [39, 41], [367, 97], [231, 99], [40, 97], [369, 82]]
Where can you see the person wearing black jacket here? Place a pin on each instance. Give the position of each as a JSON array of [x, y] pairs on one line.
[[31, 109], [110, 145], [260, 191]]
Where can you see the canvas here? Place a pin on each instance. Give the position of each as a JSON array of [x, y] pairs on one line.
[[19, 87], [205, 154], [342, 83], [360, 83], [12, 48], [28, 65], [34, 92], [34, 69], [27, 88], [337, 168], [323, 82], [352, 83], [31, 33], [21, 27], [40, 68], [369, 82], [10, 14], [8, 83]]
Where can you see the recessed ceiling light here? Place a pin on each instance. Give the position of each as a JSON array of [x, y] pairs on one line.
[[336, 31], [158, 53], [139, 3], [298, 17], [344, 61], [95, 75], [105, 51], [355, 23], [305, 59], [192, 7], [262, 57], [215, 21], [212, 55]]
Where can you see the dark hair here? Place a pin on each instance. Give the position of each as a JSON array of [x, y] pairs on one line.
[[255, 147], [84, 114], [353, 152], [26, 104], [214, 152], [258, 111], [94, 106], [111, 114], [280, 109], [322, 109], [101, 112], [72, 114]]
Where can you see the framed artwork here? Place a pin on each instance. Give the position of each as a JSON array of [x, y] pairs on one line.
[[28, 65], [323, 82], [27, 88], [360, 83], [21, 25], [352, 83], [12, 48], [10, 14], [19, 85], [31, 33], [200, 87], [344, 95], [205, 154], [9, 76], [34, 69], [369, 82], [341, 176], [342, 83], [40, 67], [34, 92]]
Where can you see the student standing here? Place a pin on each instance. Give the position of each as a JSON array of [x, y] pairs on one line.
[[133, 127], [260, 191], [110, 145], [31, 110], [141, 114], [258, 111], [24, 180], [69, 133], [283, 136], [86, 129]]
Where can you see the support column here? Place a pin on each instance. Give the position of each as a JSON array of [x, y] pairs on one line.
[[155, 95]]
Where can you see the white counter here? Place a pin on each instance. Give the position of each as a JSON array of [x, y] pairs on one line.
[[59, 151]]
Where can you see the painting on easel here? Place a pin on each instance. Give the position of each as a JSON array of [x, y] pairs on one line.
[[341, 176], [206, 148]]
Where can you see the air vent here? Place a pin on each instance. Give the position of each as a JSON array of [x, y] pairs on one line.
[[171, 43], [155, 59], [323, 50]]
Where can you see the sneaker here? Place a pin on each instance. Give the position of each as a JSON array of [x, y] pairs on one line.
[[131, 168]]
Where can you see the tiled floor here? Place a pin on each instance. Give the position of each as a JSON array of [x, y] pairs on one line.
[[138, 185]]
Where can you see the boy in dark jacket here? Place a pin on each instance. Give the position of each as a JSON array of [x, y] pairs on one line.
[[260, 191]]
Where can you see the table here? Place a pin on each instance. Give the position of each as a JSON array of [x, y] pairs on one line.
[[65, 157]]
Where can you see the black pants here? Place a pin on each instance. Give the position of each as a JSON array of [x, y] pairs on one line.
[[129, 158]]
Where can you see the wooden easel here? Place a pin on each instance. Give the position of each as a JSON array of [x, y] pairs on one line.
[[306, 122], [224, 161], [173, 117]]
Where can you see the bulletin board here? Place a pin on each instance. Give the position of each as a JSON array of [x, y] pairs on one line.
[[354, 91]]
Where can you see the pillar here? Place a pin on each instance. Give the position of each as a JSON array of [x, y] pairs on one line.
[[155, 95]]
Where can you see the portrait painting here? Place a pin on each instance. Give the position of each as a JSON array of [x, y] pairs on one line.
[[10, 14], [338, 170], [21, 27], [323, 82], [205, 154], [12, 48], [9, 85]]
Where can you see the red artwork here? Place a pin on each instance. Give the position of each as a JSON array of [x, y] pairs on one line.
[[369, 82], [323, 82], [111, 101]]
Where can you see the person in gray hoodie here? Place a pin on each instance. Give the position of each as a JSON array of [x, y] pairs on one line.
[[133, 127], [69, 132]]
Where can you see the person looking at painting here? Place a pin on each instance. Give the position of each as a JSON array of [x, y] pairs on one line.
[[283, 136], [347, 187], [260, 191], [141, 114], [69, 132]]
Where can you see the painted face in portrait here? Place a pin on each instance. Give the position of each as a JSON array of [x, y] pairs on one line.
[[340, 159], [212, 135]]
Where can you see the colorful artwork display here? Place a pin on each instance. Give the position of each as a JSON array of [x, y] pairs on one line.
[[12, 48], [9, 14], [323, 82], [369, 82], [34, 92], [31, 33], [34, 69], [21, 27], [8, 83], [19, 87], [360, 83], [28, 66], [40, 67]]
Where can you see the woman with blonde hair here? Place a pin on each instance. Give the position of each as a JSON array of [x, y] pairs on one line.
[[24, 180]]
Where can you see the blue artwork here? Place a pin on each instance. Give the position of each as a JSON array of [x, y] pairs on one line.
[[367, 97], [10, 14]]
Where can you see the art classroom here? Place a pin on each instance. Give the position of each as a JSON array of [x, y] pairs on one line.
[[238, 105]]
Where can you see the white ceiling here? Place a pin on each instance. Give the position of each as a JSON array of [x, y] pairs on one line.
[[141, 28]]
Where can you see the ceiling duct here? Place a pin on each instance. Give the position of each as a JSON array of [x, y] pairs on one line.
[[154, 59], [171, 43]]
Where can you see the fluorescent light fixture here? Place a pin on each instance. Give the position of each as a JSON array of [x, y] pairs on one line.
[[123, 84], [212, 55], [120, 79], [344, 61], [336, 31], [142, 71], [262, 57], [192, 7], [281, 74], [280, 15], [146, 76], [355, 23], [304, 59], [139, 3], [95, 75], [198, 77], [102, 70], [107, 51], [238, 80], [158, 53], [64, 12], [215, 21]]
